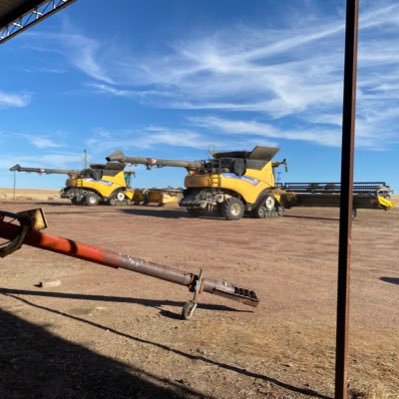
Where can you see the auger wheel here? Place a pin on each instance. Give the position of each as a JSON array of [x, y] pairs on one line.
[[188, 310], [10, 245]]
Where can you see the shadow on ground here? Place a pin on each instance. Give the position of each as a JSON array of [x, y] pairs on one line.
[[36, 364], [392, 280], [33, 360], [156, 212], [155, 303], [312, 217]]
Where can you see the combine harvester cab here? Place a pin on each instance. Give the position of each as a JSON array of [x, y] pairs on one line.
[[229, 184], [100, 183], [366, 195]]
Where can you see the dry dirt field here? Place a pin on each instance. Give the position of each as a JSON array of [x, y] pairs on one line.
[[106, 333]]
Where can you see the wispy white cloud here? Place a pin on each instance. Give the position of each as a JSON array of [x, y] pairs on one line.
[[294, 72], [44, 142], [14, 100], [149, 138], [109, 89], [82, 52], [53, 70], [326, 136]]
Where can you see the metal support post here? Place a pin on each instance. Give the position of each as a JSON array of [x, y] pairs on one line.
[[345, 225]]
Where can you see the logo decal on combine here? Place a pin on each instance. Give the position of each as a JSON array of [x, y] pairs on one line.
[[248, 179], [106, 182]]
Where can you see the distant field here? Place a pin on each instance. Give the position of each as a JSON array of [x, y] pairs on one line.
[[26, 194]]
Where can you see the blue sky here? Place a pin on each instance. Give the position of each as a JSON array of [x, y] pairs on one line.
[[173, 79]]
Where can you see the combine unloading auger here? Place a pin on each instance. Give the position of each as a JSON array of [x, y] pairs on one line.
[[24, 228], [119, 156], [45, 171]]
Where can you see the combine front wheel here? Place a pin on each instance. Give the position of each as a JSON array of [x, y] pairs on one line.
[[232, 209], [92, 199]]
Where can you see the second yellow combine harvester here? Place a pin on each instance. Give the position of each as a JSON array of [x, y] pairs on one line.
[[235, 183], [101, 183]]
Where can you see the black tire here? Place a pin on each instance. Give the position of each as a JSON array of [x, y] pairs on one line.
[[259, 212], [195, 212], [76, 201], [92, 199], [269, 202], [232, 209], [188, 310], [118, 198]]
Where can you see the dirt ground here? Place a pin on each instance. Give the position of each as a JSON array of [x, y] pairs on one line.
[[106, 333]]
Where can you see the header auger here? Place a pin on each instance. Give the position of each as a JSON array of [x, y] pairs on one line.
[[24, 228]]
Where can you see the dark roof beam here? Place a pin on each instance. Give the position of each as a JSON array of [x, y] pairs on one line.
[[27, 15]]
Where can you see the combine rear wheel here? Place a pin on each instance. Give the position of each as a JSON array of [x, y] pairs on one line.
[[232, 209]]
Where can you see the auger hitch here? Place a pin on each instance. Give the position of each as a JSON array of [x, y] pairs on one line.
[[24, 228]]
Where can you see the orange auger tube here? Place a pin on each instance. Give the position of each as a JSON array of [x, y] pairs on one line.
[[25, 233]]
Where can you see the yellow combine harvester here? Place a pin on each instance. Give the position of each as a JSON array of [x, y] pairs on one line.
[[232, 184], [101, 183]]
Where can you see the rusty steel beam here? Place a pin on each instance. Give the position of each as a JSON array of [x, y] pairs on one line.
[[26, 232], [345, 225]]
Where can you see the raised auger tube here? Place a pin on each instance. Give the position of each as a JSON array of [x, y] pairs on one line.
[[118, 156], [46, 171], [23, 228]]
